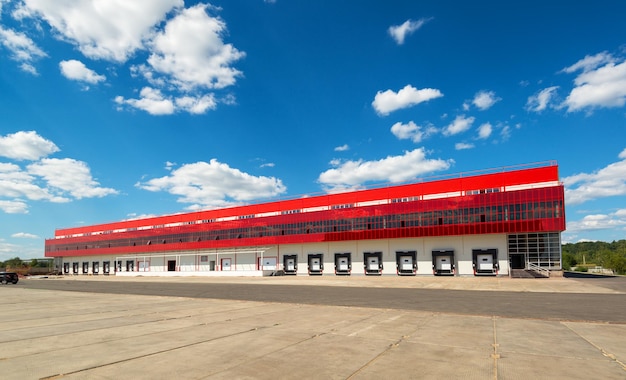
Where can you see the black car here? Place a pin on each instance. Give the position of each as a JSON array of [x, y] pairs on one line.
[[6, 277]]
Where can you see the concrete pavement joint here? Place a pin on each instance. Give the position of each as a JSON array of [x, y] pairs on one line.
[[268, 353], [495, 354], [606, 354], [394, 345], [383, 352], [59, 375]]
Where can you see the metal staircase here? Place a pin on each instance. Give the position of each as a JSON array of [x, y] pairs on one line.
[[531, 271]]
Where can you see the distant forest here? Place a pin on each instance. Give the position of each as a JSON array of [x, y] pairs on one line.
[[584, 255]]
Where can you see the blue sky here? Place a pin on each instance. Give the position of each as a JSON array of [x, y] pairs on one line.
[[114, 109]]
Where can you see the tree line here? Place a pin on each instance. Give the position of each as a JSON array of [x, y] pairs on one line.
[[17, 263], [583, 255]]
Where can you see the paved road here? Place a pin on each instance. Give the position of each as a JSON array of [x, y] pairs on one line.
[[611, 282], [609, 308]]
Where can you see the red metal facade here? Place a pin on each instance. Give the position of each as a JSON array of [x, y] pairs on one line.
[[526, 200]]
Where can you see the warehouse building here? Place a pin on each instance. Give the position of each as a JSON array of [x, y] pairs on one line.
[[480, 223]]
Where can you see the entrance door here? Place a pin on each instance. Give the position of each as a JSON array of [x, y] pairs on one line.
[[171, 265], [517, 261]]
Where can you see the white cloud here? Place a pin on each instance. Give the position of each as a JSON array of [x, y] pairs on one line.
[[26, 146], [484, 100], [214, 184], [342, 148], [596, 222], [602, 83], [590, 62], [190, 50], [169, 165], [24, 235], [9, 251], [388, 101], [76, 70], [353, 174], [463, 146], [13, 207], [69, 176], [17, 184], [410, 131], [460, 124], [22, 49], [151, 100], [45, 179], [399, 32], [484, 131], [607, 182], [111, 30], [541, 100], [196, 105], [184, 48]]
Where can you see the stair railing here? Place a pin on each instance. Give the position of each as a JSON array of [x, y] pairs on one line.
[[537, 269]]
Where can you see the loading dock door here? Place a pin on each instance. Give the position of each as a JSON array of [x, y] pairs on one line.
[[226, 264], [343, 263], [406, 263], [290, 264], [485, 261], [373, 263], [267, 263], [443, 262], [316, 263]]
